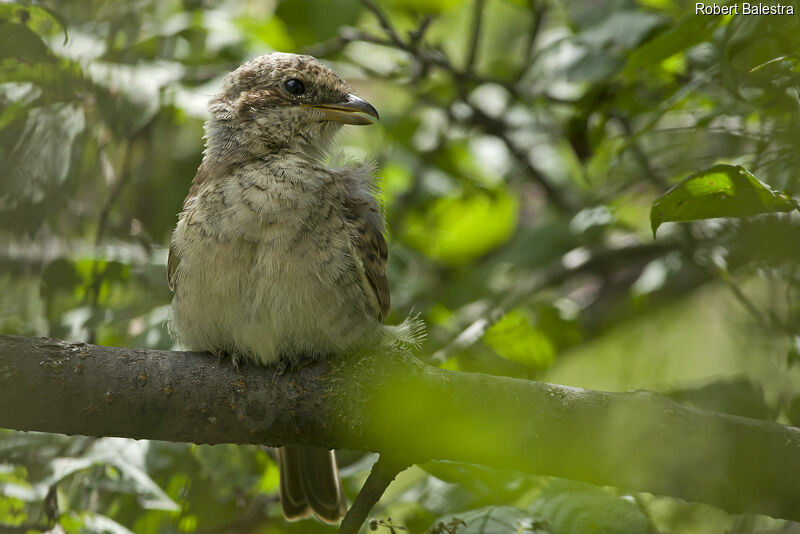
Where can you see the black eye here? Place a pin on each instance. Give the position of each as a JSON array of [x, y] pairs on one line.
[[294, 86]]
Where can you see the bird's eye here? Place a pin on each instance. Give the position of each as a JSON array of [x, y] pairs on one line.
[[294, 86]]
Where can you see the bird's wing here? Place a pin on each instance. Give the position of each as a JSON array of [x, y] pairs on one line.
[[369, 247], [204, 174]]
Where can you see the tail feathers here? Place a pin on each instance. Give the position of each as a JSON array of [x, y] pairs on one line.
[[310, 483], [322, 484], [293, 498]]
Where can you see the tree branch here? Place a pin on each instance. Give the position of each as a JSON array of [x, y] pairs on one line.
[[382, 474], [393, 404]]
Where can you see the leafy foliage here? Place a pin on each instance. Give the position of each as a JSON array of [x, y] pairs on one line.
[[721, 191], [522, 147]]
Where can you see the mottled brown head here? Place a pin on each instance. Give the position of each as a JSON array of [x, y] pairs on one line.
[[282, 101]]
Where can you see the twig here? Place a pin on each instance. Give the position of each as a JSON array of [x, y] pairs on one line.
[[474, 42], [498, 128], [641, 158], [416, 35], [526, 287], [97, 274], [768, 319], [385, 23], [537, 18], [382, 474]]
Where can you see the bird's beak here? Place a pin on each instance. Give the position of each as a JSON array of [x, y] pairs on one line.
[[353, 110]]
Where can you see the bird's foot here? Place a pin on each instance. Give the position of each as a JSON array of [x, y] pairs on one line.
[[294, 363], [280, 368], [234, 358]]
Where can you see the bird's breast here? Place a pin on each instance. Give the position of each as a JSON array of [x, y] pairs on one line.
[[265, 268]]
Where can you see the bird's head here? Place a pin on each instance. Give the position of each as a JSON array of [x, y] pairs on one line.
[[280, 101]]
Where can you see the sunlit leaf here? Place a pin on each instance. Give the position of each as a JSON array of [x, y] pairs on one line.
[[720, 191], [457, 229], [12, 510], [271, 31], [514, 337], [37, 15]]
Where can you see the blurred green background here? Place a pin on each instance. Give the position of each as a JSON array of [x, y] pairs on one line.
[[521, 146]]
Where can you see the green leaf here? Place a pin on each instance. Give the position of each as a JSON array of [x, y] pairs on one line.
[[515, 338], [34, 14], [39, 161], [690, 31], [99, 523], [129, 458], [720, 191], [570, 507], [457, 229], [492, 519]]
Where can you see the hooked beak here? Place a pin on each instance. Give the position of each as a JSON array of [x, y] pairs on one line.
[[353, 110]]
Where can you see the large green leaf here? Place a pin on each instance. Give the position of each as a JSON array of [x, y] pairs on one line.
[[719, 191]]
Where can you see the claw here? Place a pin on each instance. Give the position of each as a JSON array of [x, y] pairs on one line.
[[280, 368]]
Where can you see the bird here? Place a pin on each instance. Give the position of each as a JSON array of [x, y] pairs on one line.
[[278, 255]]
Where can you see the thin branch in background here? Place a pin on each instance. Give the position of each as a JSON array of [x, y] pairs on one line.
[[767, 319], [639, 155], [385, 23], [382, 474], [493, 126], [499, 129], [527, 286], [475, 35], [117, 183], [417, 34], [429, 57], [348, 35], [538, 10]]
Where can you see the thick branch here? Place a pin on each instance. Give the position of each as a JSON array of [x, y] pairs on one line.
[[395, 405]]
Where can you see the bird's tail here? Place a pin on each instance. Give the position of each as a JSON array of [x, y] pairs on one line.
[[310, 483]]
